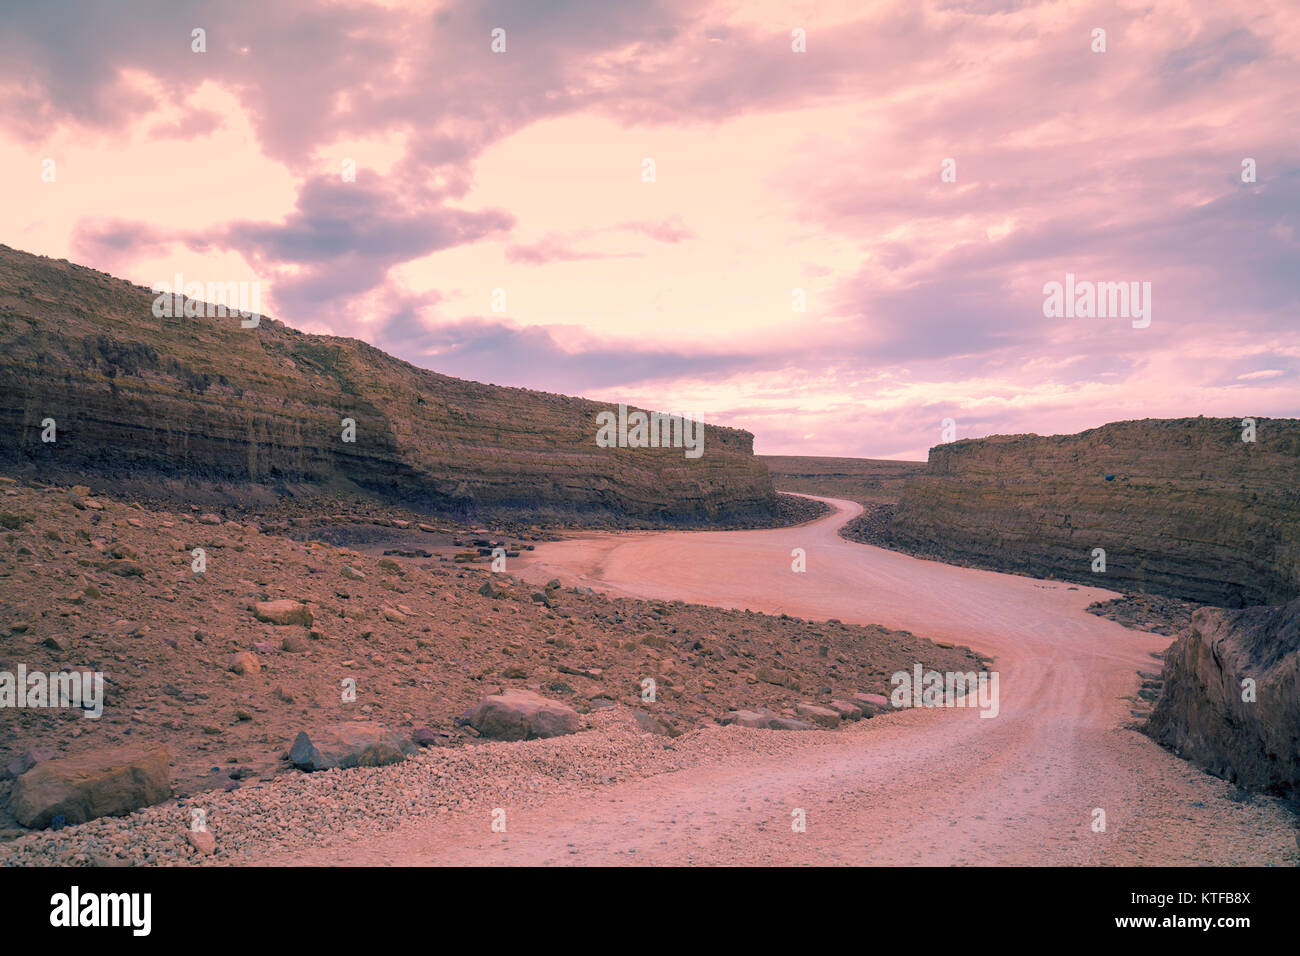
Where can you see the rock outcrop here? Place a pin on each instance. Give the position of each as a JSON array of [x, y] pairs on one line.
[[764, 719], [1243, 733], [1182, 507], [98, 783], [355, 743], [523, 715], [204, 400]]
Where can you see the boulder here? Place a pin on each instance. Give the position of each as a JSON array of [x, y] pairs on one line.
[[108, 782], [424, 737], [294, 644], [764, 720], [846, 710], [872, 704], [283, 612], [650, 724], [523, 715], [355, 743], [822, 716], [246, 662]]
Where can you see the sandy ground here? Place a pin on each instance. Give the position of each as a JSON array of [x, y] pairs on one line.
[[929, 786]]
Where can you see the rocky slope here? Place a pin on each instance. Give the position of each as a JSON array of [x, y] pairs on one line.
[[204, 663], [1248, 736], [1181, 507], [209, 403]]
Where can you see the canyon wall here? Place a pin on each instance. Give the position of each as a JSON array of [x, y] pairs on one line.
[[1249, 735], [1182, 507], [203, 399]]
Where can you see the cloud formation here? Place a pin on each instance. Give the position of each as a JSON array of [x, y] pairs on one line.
[[911, 180]]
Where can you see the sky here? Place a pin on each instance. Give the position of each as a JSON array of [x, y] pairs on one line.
[[831, 224]]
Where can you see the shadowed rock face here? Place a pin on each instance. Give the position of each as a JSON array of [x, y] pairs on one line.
[[204, 399], [1201, 712], [1190, 509]]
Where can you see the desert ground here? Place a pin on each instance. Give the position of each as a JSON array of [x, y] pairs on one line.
[[643, 782], [936, 786]]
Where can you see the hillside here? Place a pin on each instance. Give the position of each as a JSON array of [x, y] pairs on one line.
[[208, 404], [1182, 507]]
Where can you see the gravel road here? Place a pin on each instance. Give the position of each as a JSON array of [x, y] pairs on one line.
[[929, 786]]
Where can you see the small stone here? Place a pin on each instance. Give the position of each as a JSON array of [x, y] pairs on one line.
[[294, 644], [202, 840], [246, 662]]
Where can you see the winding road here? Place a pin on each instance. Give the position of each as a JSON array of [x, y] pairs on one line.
[[926, 786]]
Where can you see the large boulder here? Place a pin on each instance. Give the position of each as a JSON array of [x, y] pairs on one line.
[[846, 709], [1201, 713], [821, 716], [523, 715], [98, 783], [283, 612], [764, 720], [355, 743], [872, 704]]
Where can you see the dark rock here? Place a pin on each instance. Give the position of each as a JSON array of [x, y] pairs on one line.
[[26, 760], [348, 744]]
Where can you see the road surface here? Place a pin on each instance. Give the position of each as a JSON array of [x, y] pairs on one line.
[[930, 786]]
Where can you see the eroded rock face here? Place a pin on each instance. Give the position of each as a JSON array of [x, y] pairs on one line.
[[1201, 713], [98, 783], [355, 743], [1181, 507], [204, 399], [523, 715]]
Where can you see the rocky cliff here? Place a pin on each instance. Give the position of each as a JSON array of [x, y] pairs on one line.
[[203, 399], [1247, 734], [1182, 507]]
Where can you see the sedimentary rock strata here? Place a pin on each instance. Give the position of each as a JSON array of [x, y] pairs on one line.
[[1231, 696], [196, 399], [1182, 507]]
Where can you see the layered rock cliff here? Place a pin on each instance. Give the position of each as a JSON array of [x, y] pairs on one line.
[[1182, 507], [204, 398], [1231, 696]]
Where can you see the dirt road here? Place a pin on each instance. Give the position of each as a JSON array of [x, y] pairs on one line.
[[932, 786]]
